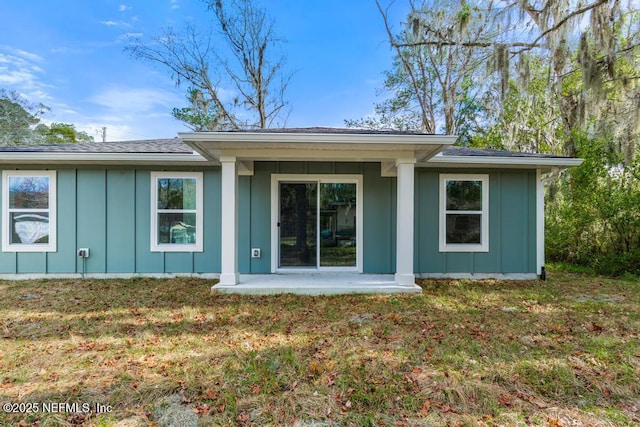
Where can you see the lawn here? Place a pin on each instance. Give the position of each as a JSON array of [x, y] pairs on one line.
[[564, 352]]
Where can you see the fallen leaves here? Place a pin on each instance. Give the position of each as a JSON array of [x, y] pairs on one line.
[[451, 354]]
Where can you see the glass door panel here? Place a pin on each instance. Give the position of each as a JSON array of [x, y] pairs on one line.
[[338, 225], [298, 224]]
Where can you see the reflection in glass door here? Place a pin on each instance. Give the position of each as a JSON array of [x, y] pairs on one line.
[[317, 224], [337, 225], [298, 224]]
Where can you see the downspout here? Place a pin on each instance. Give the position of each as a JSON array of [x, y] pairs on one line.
[[541, 180], [540, 225]]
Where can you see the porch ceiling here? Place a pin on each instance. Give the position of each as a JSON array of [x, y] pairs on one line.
[[304, 146]]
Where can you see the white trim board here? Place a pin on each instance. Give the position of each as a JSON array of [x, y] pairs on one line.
[[103, 276], [439, 161], [52, 210], [199, 212], [483, 246], [479, 276], [102, 158]]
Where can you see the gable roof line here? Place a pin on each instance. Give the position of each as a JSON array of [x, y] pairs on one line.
[[176, 151]]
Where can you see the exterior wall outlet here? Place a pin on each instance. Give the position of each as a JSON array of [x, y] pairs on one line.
[[255, 253], [83, 252]]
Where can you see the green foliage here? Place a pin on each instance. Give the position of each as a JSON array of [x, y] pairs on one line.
[[593, 217], [201, 114], [20, 124], [17, 117], [61, 133]]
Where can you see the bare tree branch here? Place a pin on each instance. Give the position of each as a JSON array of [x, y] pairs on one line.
[[238, 79]]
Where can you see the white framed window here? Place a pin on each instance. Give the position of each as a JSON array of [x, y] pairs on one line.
[[29, 211], [176, 212], [464, 213]]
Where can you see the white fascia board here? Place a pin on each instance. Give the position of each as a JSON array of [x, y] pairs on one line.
[[101, 158], [316, 138], [500, 162], [317, 152]]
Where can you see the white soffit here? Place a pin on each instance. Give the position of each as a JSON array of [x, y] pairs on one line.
[[316, 146]]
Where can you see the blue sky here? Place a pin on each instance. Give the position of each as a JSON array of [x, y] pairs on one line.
[[69, 56]]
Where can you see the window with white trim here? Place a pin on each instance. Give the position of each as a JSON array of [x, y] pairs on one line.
[[28, 211], [176, 212], [464, 213]]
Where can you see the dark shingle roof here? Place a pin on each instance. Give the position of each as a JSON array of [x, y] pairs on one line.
[[330, 130], [162, 146], [477, 152], [176, 146]]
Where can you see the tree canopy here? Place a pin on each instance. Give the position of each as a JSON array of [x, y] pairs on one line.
[[546, 76], [20, 124]]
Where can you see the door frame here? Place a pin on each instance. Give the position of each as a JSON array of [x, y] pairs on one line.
[[276, 179]]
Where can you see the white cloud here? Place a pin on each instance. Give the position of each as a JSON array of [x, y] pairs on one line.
[[64, 49], [126, 101], [127, 36], [110, 23], [124, 7], [174, 4], [29, 56], [19, 72]]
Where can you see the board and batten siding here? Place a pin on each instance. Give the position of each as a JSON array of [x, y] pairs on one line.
[[108, 211], [254, 217], [512, 225]]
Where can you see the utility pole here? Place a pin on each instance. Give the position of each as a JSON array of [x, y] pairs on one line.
[[104, 134]]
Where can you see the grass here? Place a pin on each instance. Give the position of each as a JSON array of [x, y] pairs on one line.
[[563, 352]]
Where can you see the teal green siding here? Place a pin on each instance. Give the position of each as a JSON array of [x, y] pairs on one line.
[[108, 211], [91, 211], [146, 261], [208, 260], [260, 221], [64, 260], [121, 224], [379, 221], [512, 225], [244, 224]]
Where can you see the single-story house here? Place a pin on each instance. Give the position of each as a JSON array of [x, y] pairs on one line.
[[264, 202]]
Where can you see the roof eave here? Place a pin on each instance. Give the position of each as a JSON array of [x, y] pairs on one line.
[[501, 162], [26, 157], [315, 138], [316, 146]]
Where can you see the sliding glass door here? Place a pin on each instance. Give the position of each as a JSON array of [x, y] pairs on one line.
[[298, 218], [318, 224]]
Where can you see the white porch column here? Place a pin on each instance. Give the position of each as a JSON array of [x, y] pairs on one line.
[[229, 218], [539, 221], [404, 218]]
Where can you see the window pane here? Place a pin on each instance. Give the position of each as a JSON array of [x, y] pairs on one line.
[[463, 228], [338, 225], [176, 193], [176, 228], [464, 195], [29, 192], [29, 228]]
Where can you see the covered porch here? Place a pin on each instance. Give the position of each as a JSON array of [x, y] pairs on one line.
[[240, 153]]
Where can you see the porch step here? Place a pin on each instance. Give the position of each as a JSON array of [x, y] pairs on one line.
[[316, 284]]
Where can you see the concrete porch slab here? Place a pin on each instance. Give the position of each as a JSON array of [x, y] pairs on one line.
[[316, 284]]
